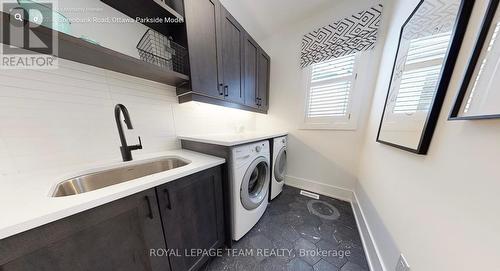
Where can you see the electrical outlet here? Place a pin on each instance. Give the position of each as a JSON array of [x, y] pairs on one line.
[[402, 264]]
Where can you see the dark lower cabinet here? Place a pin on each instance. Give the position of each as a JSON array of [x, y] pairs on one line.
[[193, 217], [115, 236], [128, 234]]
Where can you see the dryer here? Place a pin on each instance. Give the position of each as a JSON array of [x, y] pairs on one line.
[[278, 166], [250, 174]]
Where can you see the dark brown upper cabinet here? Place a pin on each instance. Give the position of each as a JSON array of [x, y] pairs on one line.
[[251, 54], [256, 83], [232, 37], [204, 54], [263, 80], [223, 68]]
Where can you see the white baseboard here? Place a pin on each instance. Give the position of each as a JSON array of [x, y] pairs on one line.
[[320, 188], [371, 249]]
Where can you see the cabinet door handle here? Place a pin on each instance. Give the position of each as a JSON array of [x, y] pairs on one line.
[[167, 196], [150, 215], [226, 90], [219, 89]]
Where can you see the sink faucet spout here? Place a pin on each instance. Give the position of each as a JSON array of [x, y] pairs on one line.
[[125, 149]]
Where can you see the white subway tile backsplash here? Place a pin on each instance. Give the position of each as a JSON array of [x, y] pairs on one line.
[[5, 159], [75, 78], [99, 90], [56, 119]]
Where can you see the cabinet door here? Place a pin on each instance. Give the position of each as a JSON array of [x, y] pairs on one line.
[[251, 54], [192, 214], [232, 37], [202, 24], [263, 79], [115, 236]]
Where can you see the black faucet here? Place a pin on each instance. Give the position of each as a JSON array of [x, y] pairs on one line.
[[126, 150]]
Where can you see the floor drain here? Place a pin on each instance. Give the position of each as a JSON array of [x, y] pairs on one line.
[[323, 209]]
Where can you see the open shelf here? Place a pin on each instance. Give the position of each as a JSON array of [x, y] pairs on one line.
[[162, 9], [78, 50], [149, 8]]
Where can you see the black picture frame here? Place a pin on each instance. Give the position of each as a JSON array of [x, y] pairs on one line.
[[473, 61], [458, 34]]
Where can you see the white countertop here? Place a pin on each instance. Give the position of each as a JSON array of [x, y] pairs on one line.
[[25, 201], [233, 139]]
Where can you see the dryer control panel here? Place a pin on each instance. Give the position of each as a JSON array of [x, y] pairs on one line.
[[280, 141], [243, 153]]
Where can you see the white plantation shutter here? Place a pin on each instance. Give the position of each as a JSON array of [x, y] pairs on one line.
[[330, 89], [417, 89], [428, 48], [421, 75]]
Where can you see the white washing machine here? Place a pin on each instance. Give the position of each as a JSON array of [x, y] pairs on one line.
[[279, 166], [250, 175]]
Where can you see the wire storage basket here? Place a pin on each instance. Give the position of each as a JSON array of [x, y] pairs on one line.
[[162, 51]]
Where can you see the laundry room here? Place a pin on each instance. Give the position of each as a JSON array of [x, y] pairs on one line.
[[245, 135]]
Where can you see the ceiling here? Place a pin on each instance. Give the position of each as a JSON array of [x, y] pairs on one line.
[[262, 18]]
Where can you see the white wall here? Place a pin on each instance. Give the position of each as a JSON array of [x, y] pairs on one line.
[[326, 156], [441, 209], [55, 119]]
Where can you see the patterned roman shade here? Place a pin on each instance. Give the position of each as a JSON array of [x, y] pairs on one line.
[[344, 37]]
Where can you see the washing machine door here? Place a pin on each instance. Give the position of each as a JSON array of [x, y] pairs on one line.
[[255, 184], [280, 165]]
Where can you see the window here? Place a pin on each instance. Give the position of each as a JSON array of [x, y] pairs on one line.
[[329, 94], [420, 76]]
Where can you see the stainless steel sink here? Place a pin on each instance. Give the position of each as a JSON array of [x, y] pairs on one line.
[[97, 180]]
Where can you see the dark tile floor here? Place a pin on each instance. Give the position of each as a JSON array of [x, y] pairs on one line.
[[292, 236]]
